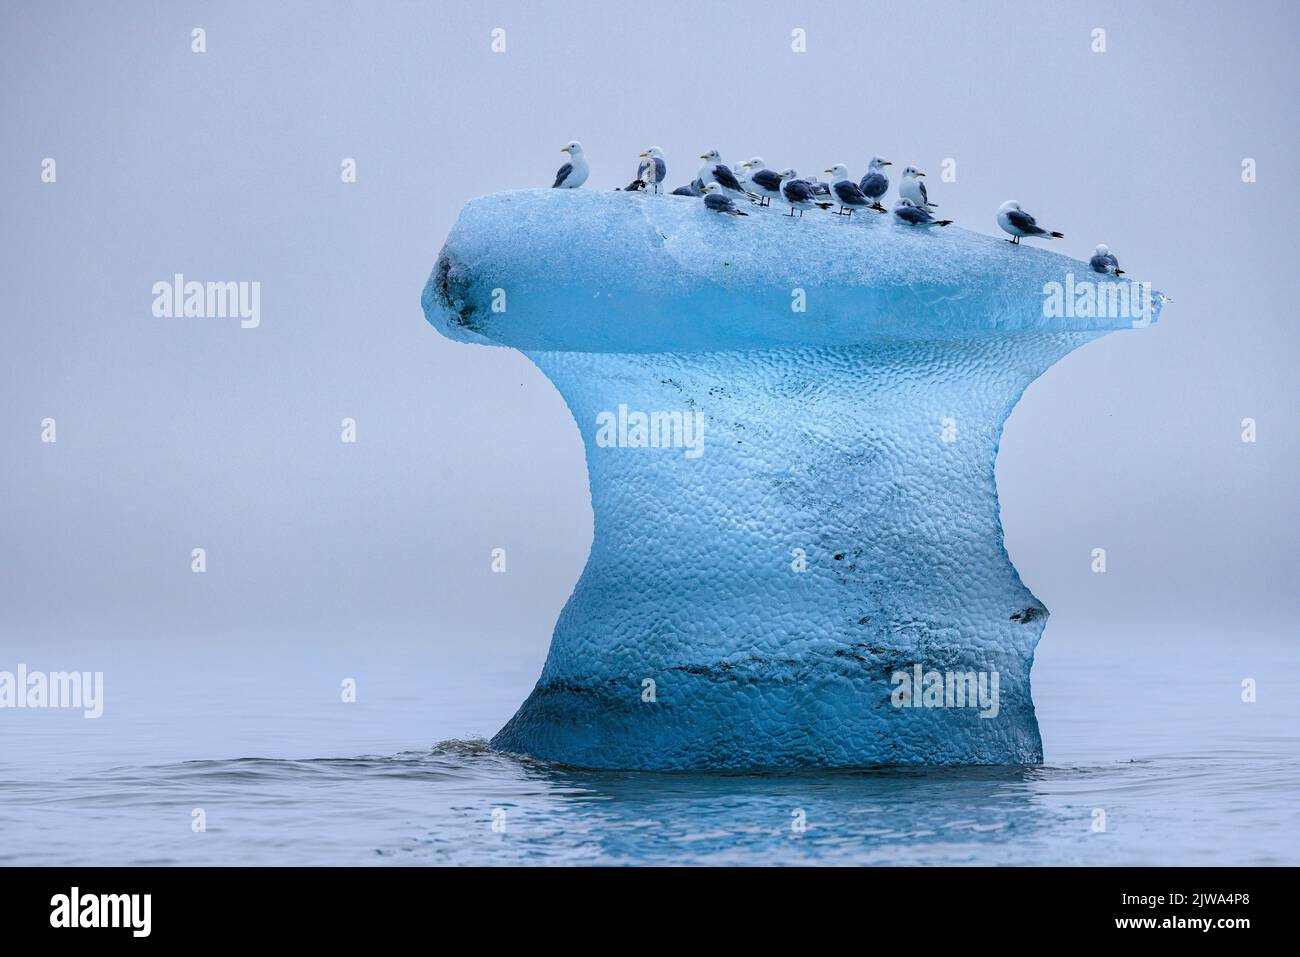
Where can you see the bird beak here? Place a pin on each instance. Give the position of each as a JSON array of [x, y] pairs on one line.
[[886, 163], [920, 174], [744, 165], [828, 171], [645, 154], [564, 150]]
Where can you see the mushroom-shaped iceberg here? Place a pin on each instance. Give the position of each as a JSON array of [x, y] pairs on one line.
[[790, 430]]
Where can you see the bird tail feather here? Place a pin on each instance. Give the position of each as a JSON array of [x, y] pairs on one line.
[[1057, 235]]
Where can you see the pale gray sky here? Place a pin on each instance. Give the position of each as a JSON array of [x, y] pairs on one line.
[[225, 165]]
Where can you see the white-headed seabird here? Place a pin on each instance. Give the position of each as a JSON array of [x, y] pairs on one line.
[[846, 192], [716, 171], [799, 194], [651, 171], [765, 182], [908, 212], [718, 201], [875, 183], [911, 187], [1019, 223], [573, 173], [1104, 262]]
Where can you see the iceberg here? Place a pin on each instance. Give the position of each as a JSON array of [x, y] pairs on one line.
[[790, 429]]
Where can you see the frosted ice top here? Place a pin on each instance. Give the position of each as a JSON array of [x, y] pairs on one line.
[[592, 271]]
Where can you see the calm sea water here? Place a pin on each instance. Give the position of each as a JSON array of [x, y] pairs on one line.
[[1151, 733]]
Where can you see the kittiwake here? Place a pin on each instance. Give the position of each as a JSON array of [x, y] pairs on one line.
[[908, 212], [1102, 261], [718, 201], [766, 183], [714, 170], [911, 187], [651, 170], [573, 173], [846, 192], [875, 183], [800, 195], [1019, 223]]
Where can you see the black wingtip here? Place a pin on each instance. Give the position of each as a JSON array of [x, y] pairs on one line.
[[1057, 235]]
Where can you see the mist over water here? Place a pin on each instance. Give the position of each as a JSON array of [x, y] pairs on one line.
[[1185, 773]]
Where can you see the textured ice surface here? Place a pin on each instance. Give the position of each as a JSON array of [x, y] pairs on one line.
[[862, 431]]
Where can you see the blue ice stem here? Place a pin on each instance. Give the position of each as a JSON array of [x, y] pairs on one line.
[[751, 599]]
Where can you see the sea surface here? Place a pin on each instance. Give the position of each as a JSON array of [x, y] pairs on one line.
[[1152, 757]]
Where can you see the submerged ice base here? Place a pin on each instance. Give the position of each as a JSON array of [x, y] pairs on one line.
[[749, 601]]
